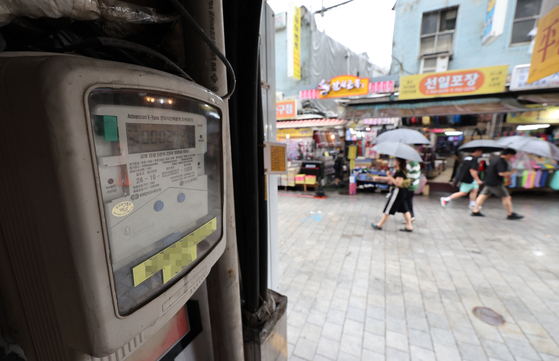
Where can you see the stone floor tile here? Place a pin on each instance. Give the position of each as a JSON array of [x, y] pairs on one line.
[[421, 354], [305, 349], [311, 332], [316, 317], [471, 352], [335, 316], [374, 326], [374, 343], [356, 314], [444, 337], [318, 357], [396, 324], [544, 345], [328, 348], [332, 331], [396, 355], [420, 339], [497, 350], [342, 356], [397, 341], [353, 328], [351, 345], [445, 353], [367, 355], [522, 349]]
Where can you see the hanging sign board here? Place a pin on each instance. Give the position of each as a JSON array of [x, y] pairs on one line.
[[519, 79], [275, 158], [494, 20], [454, 83], [548, 116], [286, 109], [343, 86], [545, 58], [294, 133], [294, 42]]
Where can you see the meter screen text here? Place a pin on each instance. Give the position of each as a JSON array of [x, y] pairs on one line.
[[144, 138]]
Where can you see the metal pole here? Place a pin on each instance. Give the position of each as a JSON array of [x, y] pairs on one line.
[[493, 123]]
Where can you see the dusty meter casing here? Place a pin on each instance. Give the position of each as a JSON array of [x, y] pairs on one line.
[[112, 205]]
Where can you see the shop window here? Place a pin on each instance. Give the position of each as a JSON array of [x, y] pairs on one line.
[[437, 31], [525, 19]]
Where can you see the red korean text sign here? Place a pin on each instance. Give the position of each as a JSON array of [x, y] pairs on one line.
[[286, 109], [454, 83]]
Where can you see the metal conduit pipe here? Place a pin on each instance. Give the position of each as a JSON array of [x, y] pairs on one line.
[[223, 281], [242, 24]]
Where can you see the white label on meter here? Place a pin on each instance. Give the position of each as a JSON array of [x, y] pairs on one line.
[[151, 172]]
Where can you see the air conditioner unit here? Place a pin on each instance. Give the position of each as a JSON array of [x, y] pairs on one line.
[[434, 64]]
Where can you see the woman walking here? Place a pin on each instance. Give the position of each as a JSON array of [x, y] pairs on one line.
[[397, 201]]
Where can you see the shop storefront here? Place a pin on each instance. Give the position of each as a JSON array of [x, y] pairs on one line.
[[452, 108]]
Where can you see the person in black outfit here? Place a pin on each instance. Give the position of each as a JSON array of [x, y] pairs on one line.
[[457, 164], [339, 168], [468, 179], [397, 201], [493, 184]]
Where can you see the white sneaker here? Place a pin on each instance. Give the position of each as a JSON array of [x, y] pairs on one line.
[[443, 202]]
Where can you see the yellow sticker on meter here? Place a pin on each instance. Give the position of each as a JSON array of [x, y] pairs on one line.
[[122, 209], [174, 258]]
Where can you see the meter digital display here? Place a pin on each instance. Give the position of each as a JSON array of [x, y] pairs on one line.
[[159, 171], [156, 137]]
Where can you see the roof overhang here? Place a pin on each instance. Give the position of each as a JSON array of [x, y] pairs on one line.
[[491, 103]]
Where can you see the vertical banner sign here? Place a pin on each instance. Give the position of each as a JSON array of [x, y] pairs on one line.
[[494, 20], [545, 58], [294, 42]]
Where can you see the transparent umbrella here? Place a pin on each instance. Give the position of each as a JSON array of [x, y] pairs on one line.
[[399, 150], [532, 145], [406, 136], [486, 145]]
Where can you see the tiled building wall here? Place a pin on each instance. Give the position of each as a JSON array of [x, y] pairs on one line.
[[468, 49]]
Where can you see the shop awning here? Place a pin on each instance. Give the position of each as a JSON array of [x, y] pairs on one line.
[[434, 107], [310, 123]]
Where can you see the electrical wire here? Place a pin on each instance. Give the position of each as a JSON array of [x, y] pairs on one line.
[[230, 72], [118, 43]]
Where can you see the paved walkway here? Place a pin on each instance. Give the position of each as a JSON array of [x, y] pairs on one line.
[[360, 294]]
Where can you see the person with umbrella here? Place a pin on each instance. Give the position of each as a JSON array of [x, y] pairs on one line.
[[498, 169], [397, 200], [468, 179]]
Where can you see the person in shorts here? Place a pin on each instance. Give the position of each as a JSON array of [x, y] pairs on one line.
[[397, 200], [493, 184], [468, 179]]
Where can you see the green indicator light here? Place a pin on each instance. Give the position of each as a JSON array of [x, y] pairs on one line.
[[111, 128]]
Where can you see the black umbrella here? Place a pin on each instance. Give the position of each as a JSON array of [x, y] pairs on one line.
[[486, 145]]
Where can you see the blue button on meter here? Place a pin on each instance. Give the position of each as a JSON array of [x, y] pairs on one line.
[[158, 206], [181, 198]]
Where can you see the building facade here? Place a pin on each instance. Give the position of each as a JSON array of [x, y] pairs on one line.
[[321, 57], [440, 35]]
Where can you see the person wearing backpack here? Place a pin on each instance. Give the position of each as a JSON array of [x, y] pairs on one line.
[[397, 200], [339, 168], [468, 180], [413, 172]]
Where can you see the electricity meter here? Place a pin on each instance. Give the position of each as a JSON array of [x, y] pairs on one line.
[[112, 200]]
